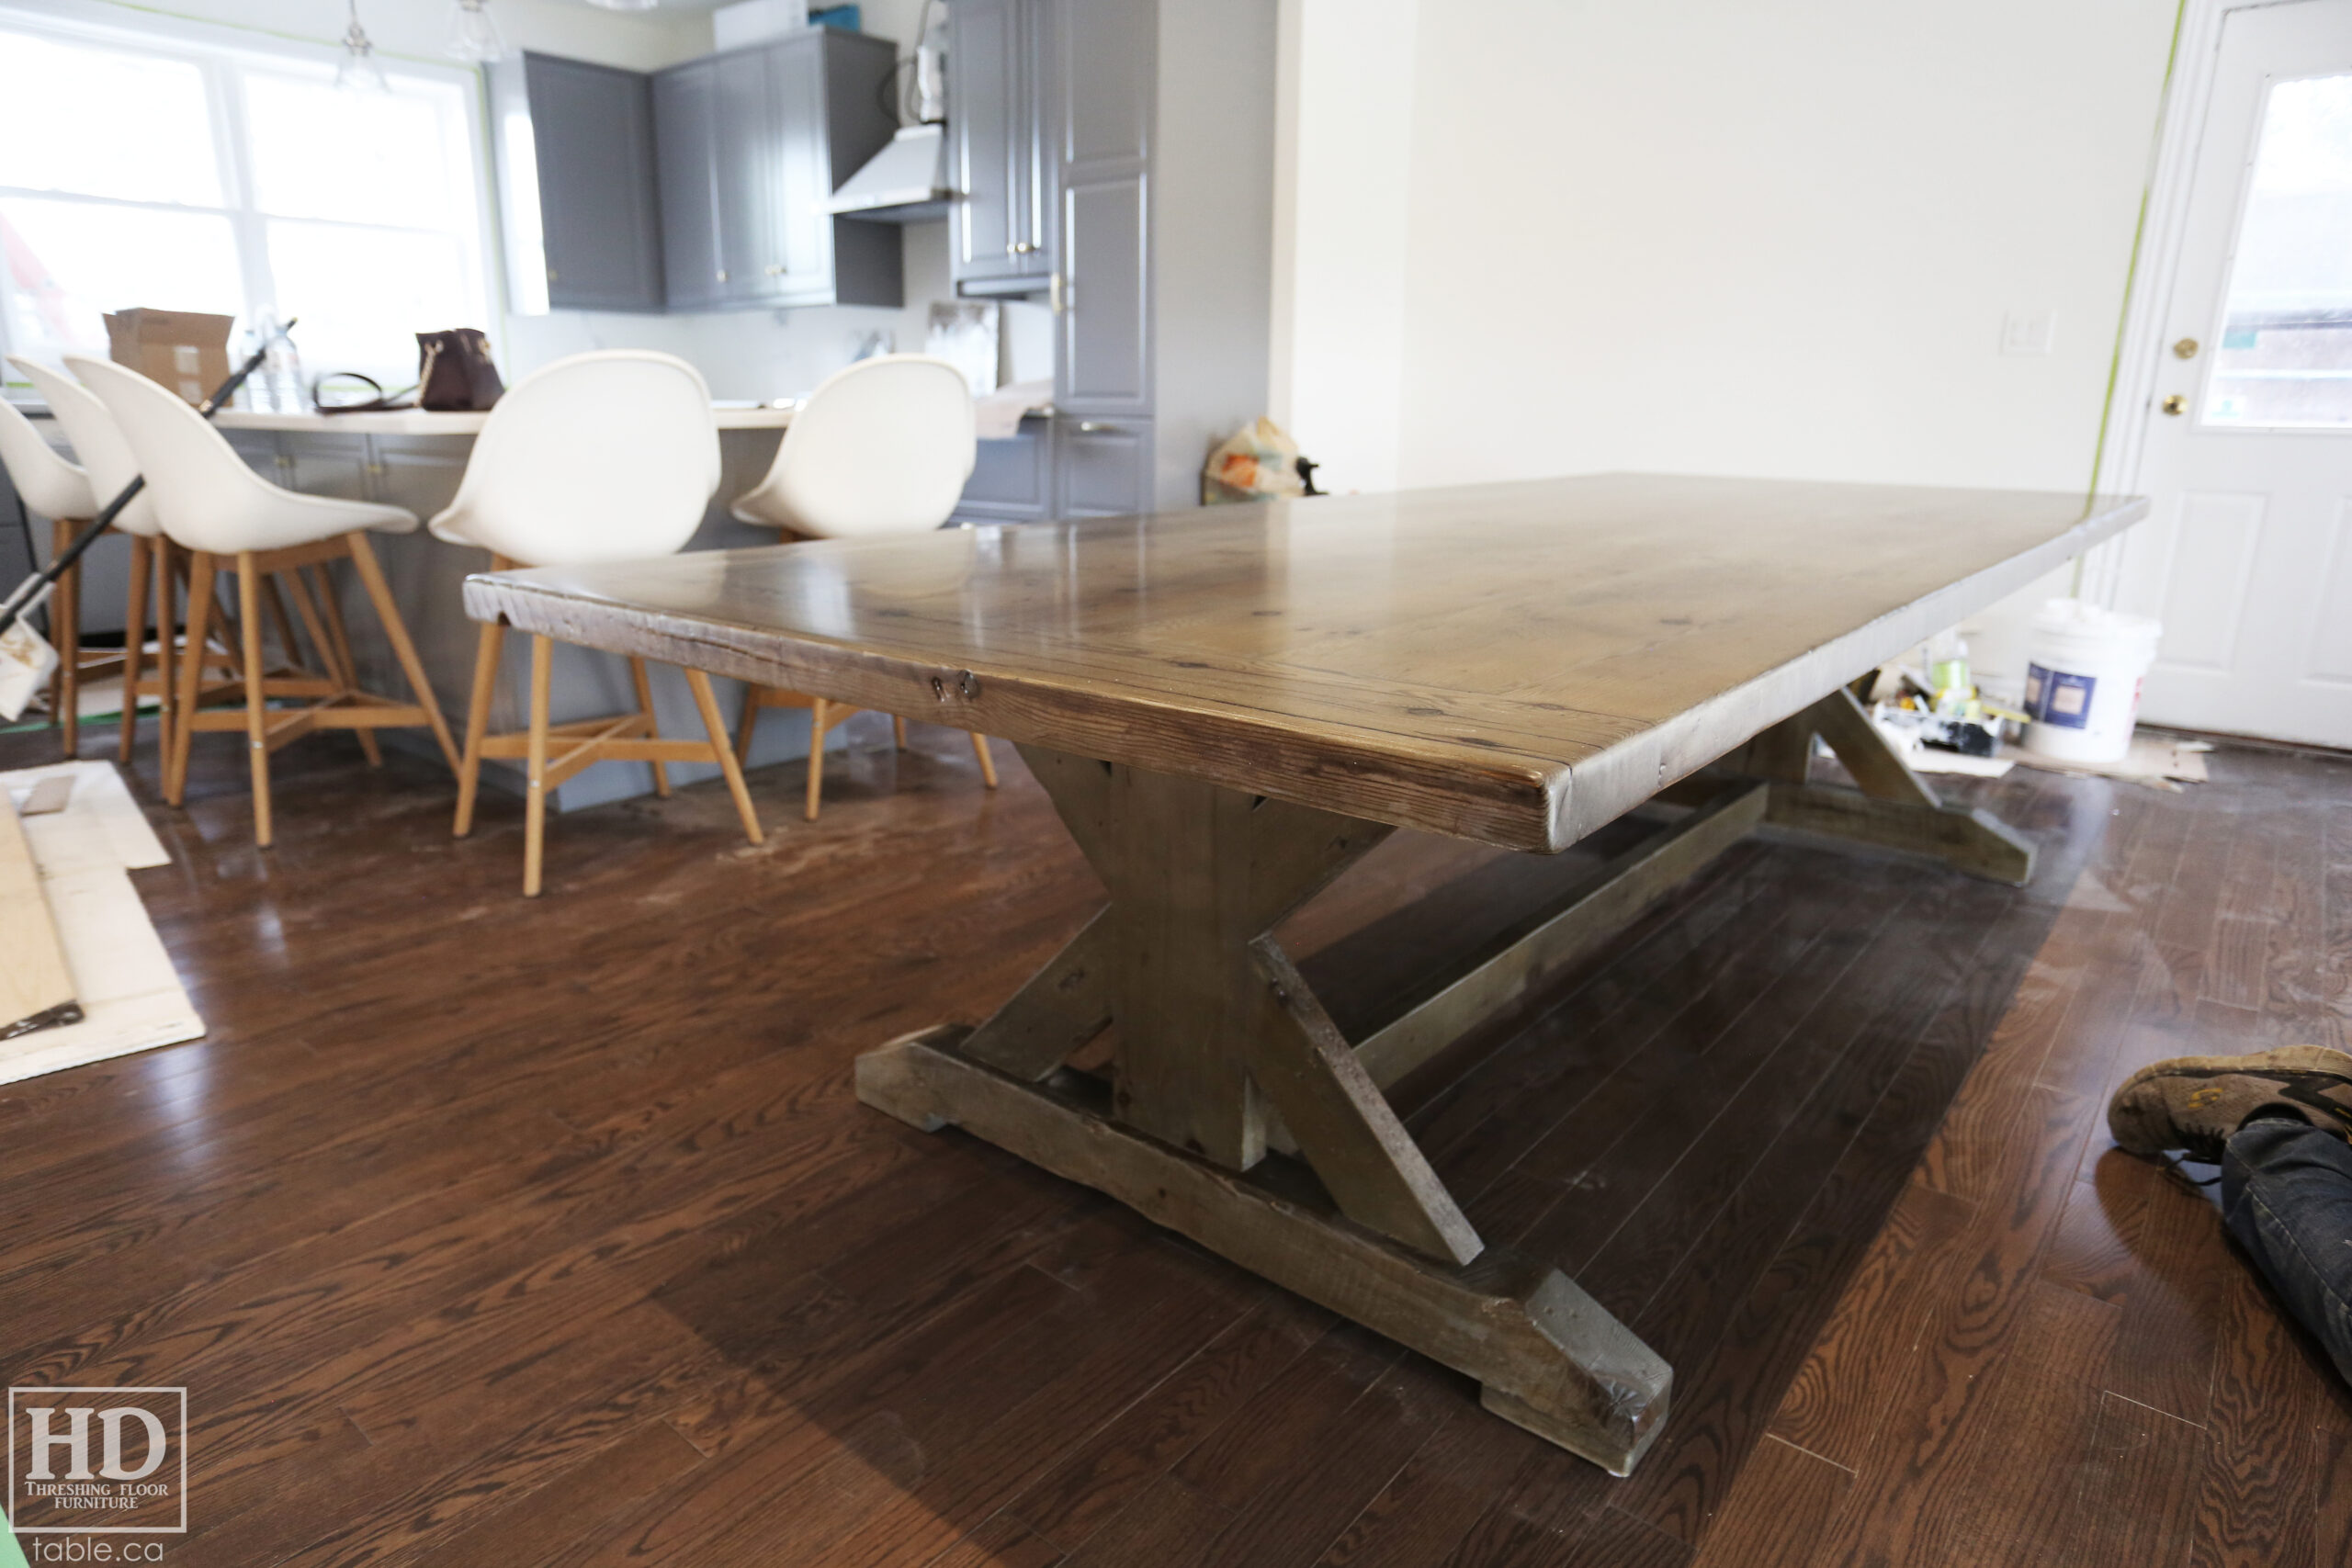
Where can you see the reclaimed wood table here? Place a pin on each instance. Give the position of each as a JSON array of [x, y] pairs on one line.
[[1229, 707]]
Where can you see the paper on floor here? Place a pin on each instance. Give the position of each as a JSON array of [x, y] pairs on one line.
[[130, 995]]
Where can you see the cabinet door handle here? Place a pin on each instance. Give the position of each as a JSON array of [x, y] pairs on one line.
[[722, 275], [1059, 296], [775, 271], [1019, 248], [1094, 427]]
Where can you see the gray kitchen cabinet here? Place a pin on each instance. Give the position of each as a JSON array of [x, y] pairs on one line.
[[1103, 342], [1101, 126], [752, 143], [1147, 144], [999, 90], [1012, 478], [750, 159], [1101, 468], [685, 122], [583, 222]]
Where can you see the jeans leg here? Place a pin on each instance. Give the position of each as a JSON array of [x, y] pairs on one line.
[[2286, 1196]]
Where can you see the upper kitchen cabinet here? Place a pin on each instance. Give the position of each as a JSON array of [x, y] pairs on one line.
[[752, 143], [999, 89], [576, 165]]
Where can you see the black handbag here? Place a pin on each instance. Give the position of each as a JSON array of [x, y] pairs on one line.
[[454, 373]]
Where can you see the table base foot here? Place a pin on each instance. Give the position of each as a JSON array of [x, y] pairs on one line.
[[1550, 1358]]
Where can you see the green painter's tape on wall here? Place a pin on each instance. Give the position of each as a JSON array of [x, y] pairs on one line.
[[11, 1554]]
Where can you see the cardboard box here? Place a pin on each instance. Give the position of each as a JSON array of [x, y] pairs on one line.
[[185, 350]]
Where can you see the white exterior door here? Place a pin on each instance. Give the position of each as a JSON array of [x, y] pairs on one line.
[[2247, 557]]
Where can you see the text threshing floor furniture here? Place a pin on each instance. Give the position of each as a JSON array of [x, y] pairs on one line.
[[1229, 708]]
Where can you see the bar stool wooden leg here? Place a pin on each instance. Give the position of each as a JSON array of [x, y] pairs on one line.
[[363, 556], [899, 731], [817, 707], [65, 618], [167, 624], [249, 597], [490, 645], [281, 624], [716, 723], [323, 620], [988, 763], [652, 729], [191, 672], [134, 644], [536, 802]]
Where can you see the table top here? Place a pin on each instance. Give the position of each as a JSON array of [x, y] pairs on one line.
[[420, 422], [1516, 663]]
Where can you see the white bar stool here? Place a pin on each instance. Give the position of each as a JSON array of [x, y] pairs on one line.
[[219, 510], [601, 457], [881, 448], [107, 462], [60, 490]]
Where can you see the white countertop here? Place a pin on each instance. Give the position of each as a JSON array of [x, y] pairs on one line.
[[418, 421]]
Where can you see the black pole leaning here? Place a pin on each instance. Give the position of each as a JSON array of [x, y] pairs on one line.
[[30, 591]]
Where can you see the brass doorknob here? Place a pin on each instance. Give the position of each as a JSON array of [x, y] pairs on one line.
[[2175, 404], [2185, 348]]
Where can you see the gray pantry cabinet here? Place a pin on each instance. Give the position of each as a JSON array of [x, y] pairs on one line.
[[1115, 158]]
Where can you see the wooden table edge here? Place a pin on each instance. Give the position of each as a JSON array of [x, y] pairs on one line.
[[1509, 799]]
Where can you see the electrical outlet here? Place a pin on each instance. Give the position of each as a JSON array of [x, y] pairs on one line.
[[2028, 331]]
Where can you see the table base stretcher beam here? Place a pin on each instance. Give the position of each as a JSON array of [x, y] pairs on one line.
[[1547, 1356], [1892, 809]]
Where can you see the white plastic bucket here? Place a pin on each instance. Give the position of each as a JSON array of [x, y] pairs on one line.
[[2082, 683]]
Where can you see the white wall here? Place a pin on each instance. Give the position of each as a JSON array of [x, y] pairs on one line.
[[1344, 135], [1714, 236]]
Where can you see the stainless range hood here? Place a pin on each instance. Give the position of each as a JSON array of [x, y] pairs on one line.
[[904, 183]]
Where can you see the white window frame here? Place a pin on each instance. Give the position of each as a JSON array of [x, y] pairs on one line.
[[222, 51]]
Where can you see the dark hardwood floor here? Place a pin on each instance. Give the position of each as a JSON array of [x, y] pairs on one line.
[[493, 1232]]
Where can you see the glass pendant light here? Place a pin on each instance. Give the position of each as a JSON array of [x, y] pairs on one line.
[[473, 34], [359, 72]]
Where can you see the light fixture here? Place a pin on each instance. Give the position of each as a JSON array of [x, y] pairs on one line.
[[359, 72], [626, 5], [473, 34]]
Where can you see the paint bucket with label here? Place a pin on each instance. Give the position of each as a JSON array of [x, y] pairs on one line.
[[2082, 683]]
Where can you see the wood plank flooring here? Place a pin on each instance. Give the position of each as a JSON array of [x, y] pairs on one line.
[[494, 1231]]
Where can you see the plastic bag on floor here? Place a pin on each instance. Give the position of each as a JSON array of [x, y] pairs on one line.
[[1257, 462]]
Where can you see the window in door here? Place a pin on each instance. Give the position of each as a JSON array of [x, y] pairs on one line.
[[236, 182], [2285, 355]]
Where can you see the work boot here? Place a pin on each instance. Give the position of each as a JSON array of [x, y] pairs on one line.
[[2196, 1102]]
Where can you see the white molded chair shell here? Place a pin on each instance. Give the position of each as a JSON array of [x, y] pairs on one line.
[[611, 456], [107, 462], [206, 497], [881, 448], [45, 481]]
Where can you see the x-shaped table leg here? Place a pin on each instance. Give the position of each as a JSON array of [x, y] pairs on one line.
[[1216, 1036]]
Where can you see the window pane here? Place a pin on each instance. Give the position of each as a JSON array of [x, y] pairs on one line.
[[2286, 351], [396, 157], [70, 262], [364, 294], [105, 122]]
